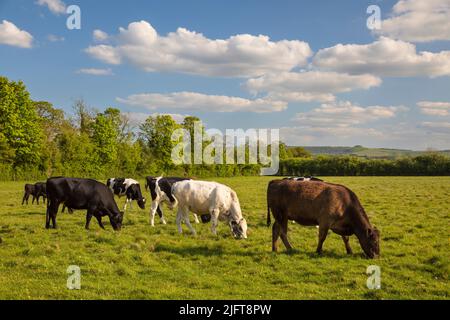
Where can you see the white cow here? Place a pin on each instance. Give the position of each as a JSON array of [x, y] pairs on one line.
[[204, 197]]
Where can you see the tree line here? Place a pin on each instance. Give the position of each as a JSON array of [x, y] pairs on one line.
[[38, 140], [431, 164]]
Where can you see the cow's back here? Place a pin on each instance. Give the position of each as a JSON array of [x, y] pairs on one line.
[[200, 196], [308, 201]]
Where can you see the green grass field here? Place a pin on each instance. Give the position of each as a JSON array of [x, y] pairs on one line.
[[141, 262]]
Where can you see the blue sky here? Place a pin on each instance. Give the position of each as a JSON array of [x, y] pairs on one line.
[[317, 72]]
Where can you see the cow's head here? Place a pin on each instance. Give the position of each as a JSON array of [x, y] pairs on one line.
[[370, 242], [239, 228], [141, 203], [136, 194], [116, 220]]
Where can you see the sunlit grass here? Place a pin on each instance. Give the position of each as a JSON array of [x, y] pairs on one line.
[[141, 262]]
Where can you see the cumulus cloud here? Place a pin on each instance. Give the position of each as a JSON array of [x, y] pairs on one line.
[[186, 51], [99, 35], [434, 108], [384, 57], [310, 85], [55, 6], [96, 72], [105, 53], [13, 36], [202, 102], [437, 126], [345, 114], [418, 21]]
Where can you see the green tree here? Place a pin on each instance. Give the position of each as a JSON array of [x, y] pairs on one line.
[[19, 123], [156, 132], [298, 152], [84, 116], [104, 137]]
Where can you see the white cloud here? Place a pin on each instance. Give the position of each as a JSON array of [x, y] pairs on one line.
[[105, 53], [345, 114], [384, 57], [434, 108], [437, 126], [418, 21], [185, 51], [202, 102], [99, 35], [13, 36], [55, 6], [54, 38], [310, 85], [96, 72]]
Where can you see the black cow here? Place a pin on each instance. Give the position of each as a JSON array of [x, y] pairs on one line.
[[129, 188], [36, 190], [78, 194], [161, 191]]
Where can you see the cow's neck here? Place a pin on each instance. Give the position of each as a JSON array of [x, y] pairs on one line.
[[360, 222]]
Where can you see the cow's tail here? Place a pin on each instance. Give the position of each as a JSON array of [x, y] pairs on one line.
[[268, 214], [47, 214]]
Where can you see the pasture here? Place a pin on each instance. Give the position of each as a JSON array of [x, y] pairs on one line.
[[141, 262]]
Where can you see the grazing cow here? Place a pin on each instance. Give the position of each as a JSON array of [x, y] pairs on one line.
[[307, 178], [331, 206], [216, 199], [129, 188], [36, 190], [161, 191], [79, 194]]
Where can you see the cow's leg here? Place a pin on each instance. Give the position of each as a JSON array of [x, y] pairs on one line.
[[89, 215], [179, 218], [284, 237], [160, 214], [53, 214], [24, 198], [47, 216], [323, 232], [214, 221], [37, 199], [187, 222], [347, 244], [276, 230], [196, 218], [99, 219], [33, 199], [153, 209], [125, 205]]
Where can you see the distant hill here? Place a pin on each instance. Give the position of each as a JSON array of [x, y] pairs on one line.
[[372, 153]]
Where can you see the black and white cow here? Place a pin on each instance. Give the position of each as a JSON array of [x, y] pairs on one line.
[[79, 194], [129, 188], [307, 178], [161, 191]]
